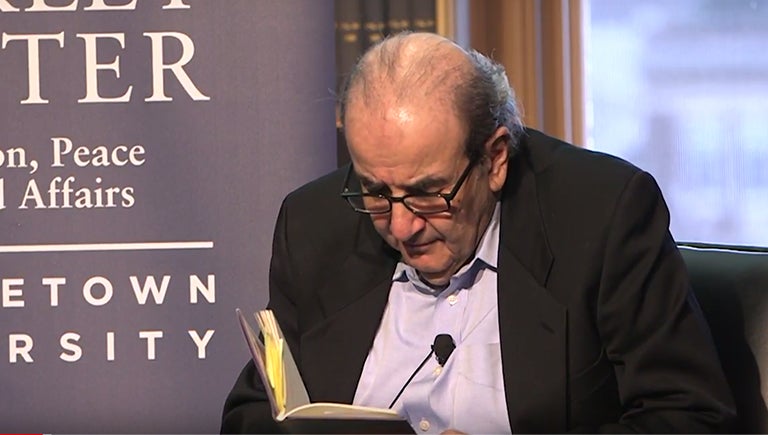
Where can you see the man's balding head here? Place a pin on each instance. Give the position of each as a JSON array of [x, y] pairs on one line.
[[428, 69], [409, 69]]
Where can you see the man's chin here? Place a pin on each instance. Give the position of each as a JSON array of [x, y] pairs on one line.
[[428, 270], [439, 282]]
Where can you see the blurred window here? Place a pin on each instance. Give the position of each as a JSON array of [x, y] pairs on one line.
[[681, 89]]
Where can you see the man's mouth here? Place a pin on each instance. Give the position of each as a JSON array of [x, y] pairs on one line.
[[420, 246]]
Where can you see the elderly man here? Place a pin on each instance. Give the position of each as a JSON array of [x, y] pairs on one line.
[[550, 267]]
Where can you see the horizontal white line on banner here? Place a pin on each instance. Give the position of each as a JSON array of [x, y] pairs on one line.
[[81, 247]]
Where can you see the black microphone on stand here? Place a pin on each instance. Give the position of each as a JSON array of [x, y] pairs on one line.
[[442, 348]]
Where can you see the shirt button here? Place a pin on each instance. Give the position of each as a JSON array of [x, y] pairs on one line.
[[438, 370], [424, 425], [452, 299]]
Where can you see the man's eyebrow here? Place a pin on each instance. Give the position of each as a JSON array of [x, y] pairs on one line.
[[426, 184], [370, 185]]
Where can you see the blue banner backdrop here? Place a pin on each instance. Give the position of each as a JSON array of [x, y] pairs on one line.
[[145, 149]]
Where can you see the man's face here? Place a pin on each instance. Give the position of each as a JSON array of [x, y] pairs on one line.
[[409, 149]]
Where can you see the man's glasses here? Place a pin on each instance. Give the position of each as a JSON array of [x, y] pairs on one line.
[[420, 203]]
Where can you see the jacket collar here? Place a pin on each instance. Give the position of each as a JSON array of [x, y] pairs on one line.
[[522, 230], [531, 321]]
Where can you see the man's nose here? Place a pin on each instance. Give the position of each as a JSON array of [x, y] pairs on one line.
[[403, 223]]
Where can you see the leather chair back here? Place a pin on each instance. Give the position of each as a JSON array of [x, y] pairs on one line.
[[731, 285]]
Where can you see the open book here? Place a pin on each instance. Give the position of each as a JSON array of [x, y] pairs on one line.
[[288, 397]]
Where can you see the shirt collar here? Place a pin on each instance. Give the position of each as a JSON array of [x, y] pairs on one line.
[[486, 256]]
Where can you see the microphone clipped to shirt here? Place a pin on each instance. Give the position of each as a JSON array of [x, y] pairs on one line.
[[442, 348]]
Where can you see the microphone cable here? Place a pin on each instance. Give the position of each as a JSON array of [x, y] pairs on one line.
[[443, 347]]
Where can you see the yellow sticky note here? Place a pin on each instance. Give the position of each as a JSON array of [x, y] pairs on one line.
[[274, 353]]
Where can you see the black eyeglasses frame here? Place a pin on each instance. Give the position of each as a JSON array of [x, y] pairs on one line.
[[448, 197]]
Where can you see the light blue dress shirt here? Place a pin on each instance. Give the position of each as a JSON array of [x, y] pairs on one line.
[[468, 393]]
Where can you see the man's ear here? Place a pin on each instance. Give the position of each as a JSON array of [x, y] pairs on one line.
[[497, 151]]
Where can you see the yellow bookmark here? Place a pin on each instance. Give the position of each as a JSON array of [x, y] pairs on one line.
[[274, 363]]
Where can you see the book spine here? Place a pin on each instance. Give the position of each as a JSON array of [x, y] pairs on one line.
[[374, 24], [424, 13], [399, 14], [350, 44], [349, 37]]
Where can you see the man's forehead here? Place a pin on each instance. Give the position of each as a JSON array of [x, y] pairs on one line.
[[387, 134], [386, 113], [407, 177]]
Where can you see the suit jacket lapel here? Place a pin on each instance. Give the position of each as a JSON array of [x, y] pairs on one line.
[[532, 323], [353, 305]]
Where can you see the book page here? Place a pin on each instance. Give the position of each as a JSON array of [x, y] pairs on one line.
[[342, 411], [273, 346], [284, 386], [294, 392], [258, 354]]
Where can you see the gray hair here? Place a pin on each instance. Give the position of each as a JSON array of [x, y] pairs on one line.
[[478, 90]]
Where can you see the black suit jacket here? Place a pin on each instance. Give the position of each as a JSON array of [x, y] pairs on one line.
[[599, 328]]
